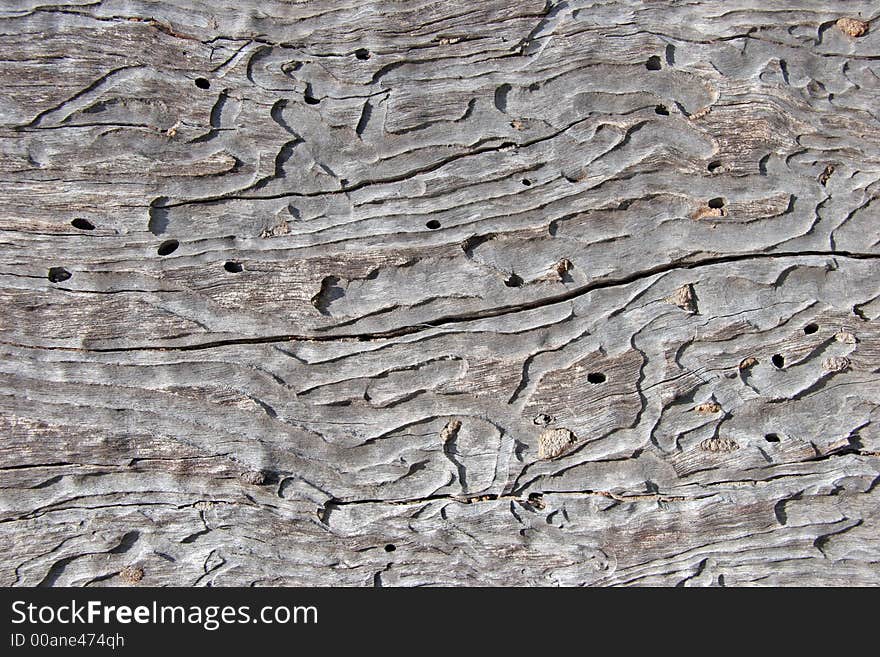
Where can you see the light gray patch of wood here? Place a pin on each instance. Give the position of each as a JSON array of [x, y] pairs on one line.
[[371, 294]]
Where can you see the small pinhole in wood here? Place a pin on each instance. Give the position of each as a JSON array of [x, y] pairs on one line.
[[653, 63], [362, 53], [772, 437], [526, 182], [82, 224], [713, 166], [662, 110], [233, 267], [809, 329], [167, 247], [390, 547], [514, 281], [202, 83], [596, 377], [433, 224], [778, 361], [58, 274], [716, 203]]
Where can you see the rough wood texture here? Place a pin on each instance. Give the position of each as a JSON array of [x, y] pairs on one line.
[[403, 293]]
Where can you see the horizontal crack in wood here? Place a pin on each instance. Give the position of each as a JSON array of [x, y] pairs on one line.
[[483, 314]]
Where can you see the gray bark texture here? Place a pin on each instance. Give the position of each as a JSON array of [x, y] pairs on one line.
[[439, 293]]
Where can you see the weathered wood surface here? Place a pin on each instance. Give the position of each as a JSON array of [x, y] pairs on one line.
[[463, 292]]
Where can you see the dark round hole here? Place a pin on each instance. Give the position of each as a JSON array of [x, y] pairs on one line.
[[58, 274], [202, 83], [513, 281], [82, 224], [233, 267], [809, 329], [772, 438], [433, 224], [362, 53], [526, 182], [167, 247], [653, 63], [713, 166], [390, 547], [778, 361], [596, 377], [661, 110], [716, 202]]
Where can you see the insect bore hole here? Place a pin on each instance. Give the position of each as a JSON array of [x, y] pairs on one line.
[[778, 361], [662, 110], [58, 274], [716, 203], [514, 280], [596, 377], [713, 166], [202, 83], [82, 224], [433, 224], [772, 438], [811, 328], [390, 547], [653, 63], [167, 247], [362, 53], [233, 267]]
